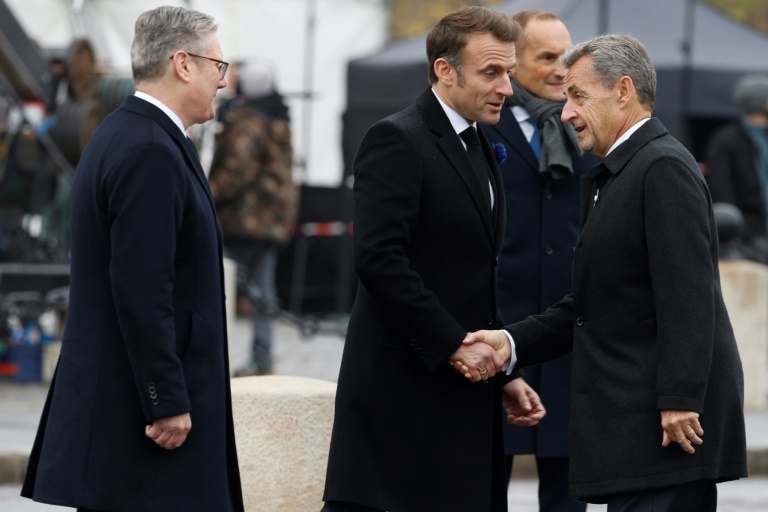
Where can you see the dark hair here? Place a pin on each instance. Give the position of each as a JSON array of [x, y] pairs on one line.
[[449, 37], [525, 17]]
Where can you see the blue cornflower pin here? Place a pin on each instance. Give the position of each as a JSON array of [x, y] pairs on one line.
[[500, 151]]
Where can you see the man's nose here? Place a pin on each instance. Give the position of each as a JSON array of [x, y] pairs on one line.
[[505, 88], [569, 114]]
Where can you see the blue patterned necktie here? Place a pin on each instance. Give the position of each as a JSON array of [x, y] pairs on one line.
[[535, 138]]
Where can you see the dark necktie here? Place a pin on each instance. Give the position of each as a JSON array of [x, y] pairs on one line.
[[535, 138], [475, 151]]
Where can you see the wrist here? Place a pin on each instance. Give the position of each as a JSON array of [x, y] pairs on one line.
[[504, 348]]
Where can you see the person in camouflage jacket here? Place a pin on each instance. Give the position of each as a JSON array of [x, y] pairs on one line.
[[256, 199]]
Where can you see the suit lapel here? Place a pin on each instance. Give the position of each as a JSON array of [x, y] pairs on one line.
[[450, 144], [499, 208], [585, 202], [509, 130]]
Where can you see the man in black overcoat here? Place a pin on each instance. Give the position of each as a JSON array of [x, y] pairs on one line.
[[409, 434], [655, 362], [541, 186], [737, 164], [139, 416]]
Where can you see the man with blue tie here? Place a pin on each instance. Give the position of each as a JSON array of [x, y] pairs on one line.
[[541, 185], [139, 417]]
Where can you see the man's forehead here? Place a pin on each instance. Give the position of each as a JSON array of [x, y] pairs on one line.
[[486, 46], [579, 72], [546, 35]]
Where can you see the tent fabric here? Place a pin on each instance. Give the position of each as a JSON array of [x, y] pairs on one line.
[[722, 50]]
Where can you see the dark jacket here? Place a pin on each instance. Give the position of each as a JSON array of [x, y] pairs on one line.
[[146, 335], [535, 272], [425, 249], [732, 177], [647, 326]]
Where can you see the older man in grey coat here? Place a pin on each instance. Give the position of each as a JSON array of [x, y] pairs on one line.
[[655, 362]]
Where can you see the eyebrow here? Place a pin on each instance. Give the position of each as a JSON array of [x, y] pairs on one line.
[[573, 87]]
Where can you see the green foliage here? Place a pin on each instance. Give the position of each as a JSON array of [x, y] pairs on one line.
[[750, 12]]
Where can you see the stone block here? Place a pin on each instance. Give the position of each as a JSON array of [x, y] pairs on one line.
[[283, 429], [745, 292]]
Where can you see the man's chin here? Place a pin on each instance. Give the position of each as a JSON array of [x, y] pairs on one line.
[[491, 118]]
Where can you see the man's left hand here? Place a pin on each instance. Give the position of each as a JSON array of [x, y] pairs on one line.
[[682, 427], [522, 404]]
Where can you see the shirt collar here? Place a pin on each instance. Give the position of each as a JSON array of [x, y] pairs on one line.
[[627, 134], [159, 104], [521, 115], [459, 123]]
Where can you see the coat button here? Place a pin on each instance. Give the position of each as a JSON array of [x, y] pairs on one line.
[[579, 321], [155, 402], [548, 249], [547, 194], [490, 318]]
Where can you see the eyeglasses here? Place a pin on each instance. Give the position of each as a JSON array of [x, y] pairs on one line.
[[220, 64]]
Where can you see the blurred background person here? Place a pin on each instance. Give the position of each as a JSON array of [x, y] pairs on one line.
[[256, 199], [541, 184], [737, 159]]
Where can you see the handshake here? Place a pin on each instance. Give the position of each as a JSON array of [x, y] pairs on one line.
[[482, 355]]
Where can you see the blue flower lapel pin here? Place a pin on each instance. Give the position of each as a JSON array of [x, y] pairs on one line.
[[500, 151]]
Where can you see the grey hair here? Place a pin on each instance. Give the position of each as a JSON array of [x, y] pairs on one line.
[[161, 32], [614, 56]]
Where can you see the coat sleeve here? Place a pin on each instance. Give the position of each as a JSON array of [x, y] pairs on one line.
[[679, 235], [388, 182], [146, 195], [544, 337]]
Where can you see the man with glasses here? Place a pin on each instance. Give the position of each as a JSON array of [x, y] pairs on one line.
[[139, 416]]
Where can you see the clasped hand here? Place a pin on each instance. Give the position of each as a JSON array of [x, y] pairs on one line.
[[521, 402], [495, 343]]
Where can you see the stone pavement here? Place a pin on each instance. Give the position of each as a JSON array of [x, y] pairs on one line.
[[319, 357]]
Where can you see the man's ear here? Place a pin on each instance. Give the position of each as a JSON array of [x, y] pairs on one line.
[[625, 90], [181, 65], [444, 71]]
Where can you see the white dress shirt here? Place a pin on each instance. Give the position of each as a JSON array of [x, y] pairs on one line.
[[159, 104]]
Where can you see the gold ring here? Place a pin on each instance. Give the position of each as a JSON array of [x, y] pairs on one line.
[[689, 433], [483, 373]]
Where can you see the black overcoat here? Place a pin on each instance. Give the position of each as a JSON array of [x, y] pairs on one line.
[[145, 335], [535, 272], [647, 325], [425, 250]]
